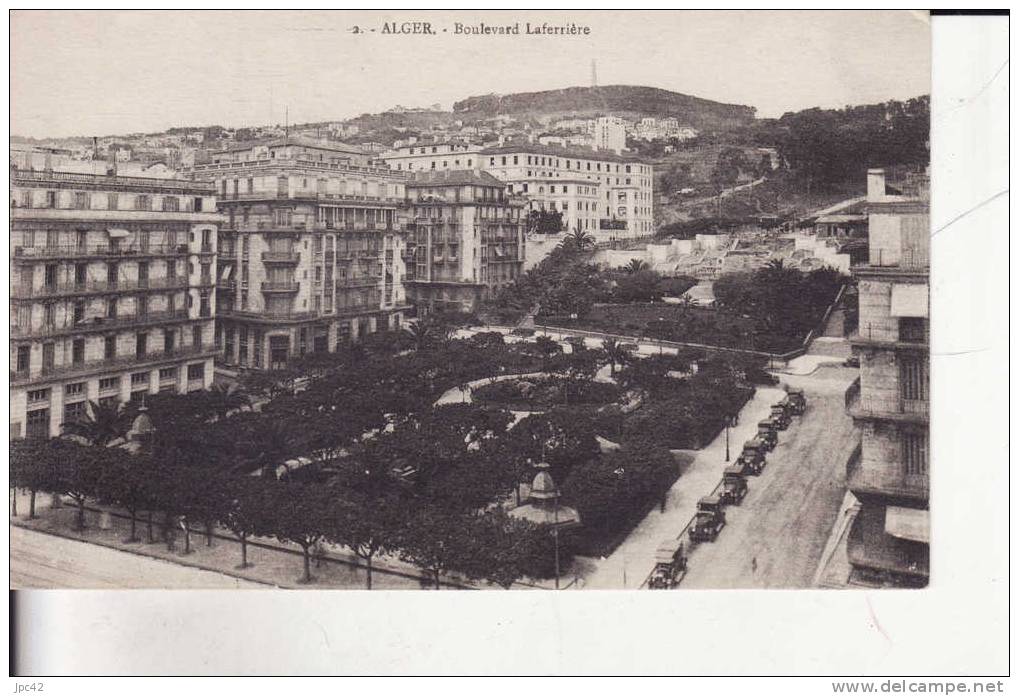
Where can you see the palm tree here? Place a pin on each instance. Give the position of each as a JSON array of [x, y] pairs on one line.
[[225, 398], [577, 240], [101, 424], [636, 266], [614, 352], [420, 333]]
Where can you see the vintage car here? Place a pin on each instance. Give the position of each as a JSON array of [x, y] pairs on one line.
[[709, 520], [734, 485], [768, 432], [752, 457], [780, 415], [797, 401], [670, 565]]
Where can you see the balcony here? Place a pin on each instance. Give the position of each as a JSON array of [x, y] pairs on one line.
[[102, 251], [288, 257], [886, 481], [267, 317], [97, 287], [286, 286], [907, 410], [106, 365], [899, 259], [100, 324]]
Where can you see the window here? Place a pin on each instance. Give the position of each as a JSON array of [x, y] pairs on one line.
[[109, 347], [37, 423], [82, 200], [914, 453], [24, 354], [171, 204], [913, 380], [112, 203], [913, 330], [143, 203], [51, 199], [196, 336], [109, 384], [167, 373], [75, 389], [196, 372], [141, 344], [138, 378], [74, 411], [38, 396]]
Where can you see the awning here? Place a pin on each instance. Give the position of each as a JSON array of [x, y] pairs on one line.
[[117, 233], [909, 300], [908, 523]]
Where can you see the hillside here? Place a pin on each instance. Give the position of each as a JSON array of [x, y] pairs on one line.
[[615, 99]]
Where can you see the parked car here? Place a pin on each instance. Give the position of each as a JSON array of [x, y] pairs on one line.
[[522, 332], [797, 401], [852, 361], [768, 432], [734, 485], [752, 458], [670, 565], [780, 415], [709, 520]]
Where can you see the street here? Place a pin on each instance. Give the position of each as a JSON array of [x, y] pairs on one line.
[[46, 561], [787, 516]]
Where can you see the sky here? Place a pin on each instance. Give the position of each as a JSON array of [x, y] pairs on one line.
[[116, 72]]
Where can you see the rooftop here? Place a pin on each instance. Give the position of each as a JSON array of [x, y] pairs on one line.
[[454, 177], [105, 181], [556, 151]]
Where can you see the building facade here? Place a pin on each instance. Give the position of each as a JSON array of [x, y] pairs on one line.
[[432, 156], [610, 133], [112, 292], [465, 239], [625, 185], [311, 250], [889, 474]]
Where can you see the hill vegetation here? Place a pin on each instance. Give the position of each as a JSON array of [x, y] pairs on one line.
[[614, 99]]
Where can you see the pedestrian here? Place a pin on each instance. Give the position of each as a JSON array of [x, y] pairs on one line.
[[753, 565]]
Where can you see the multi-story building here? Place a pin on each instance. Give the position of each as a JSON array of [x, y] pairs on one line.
[[465, 241], [433, 156], [889, 540], [610, 133], [625, 185], [311, 250], [112, 292]]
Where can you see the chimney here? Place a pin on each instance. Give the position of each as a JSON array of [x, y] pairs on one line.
[[875, 184]]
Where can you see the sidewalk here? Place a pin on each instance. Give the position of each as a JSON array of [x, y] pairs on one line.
[[273, 564]]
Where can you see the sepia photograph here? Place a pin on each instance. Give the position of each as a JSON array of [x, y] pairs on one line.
[[358, 301]]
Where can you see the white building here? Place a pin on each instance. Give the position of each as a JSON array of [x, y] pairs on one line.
[[610, 134]]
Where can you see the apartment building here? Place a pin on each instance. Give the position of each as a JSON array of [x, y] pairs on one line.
[[889, 474], [625, 185], [311, 250], [465, 240], [433, 156], [112, 292], [609, 133]]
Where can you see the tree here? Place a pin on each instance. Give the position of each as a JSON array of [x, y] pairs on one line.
[[635, 265], [577, 241], [639, 286], [367, 524], [248, 510], [126, 481], [301, 514], [438, 540], [615, 353], [225, 398], [103, 423], [33, 465], [420, 334], [78, 475]]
